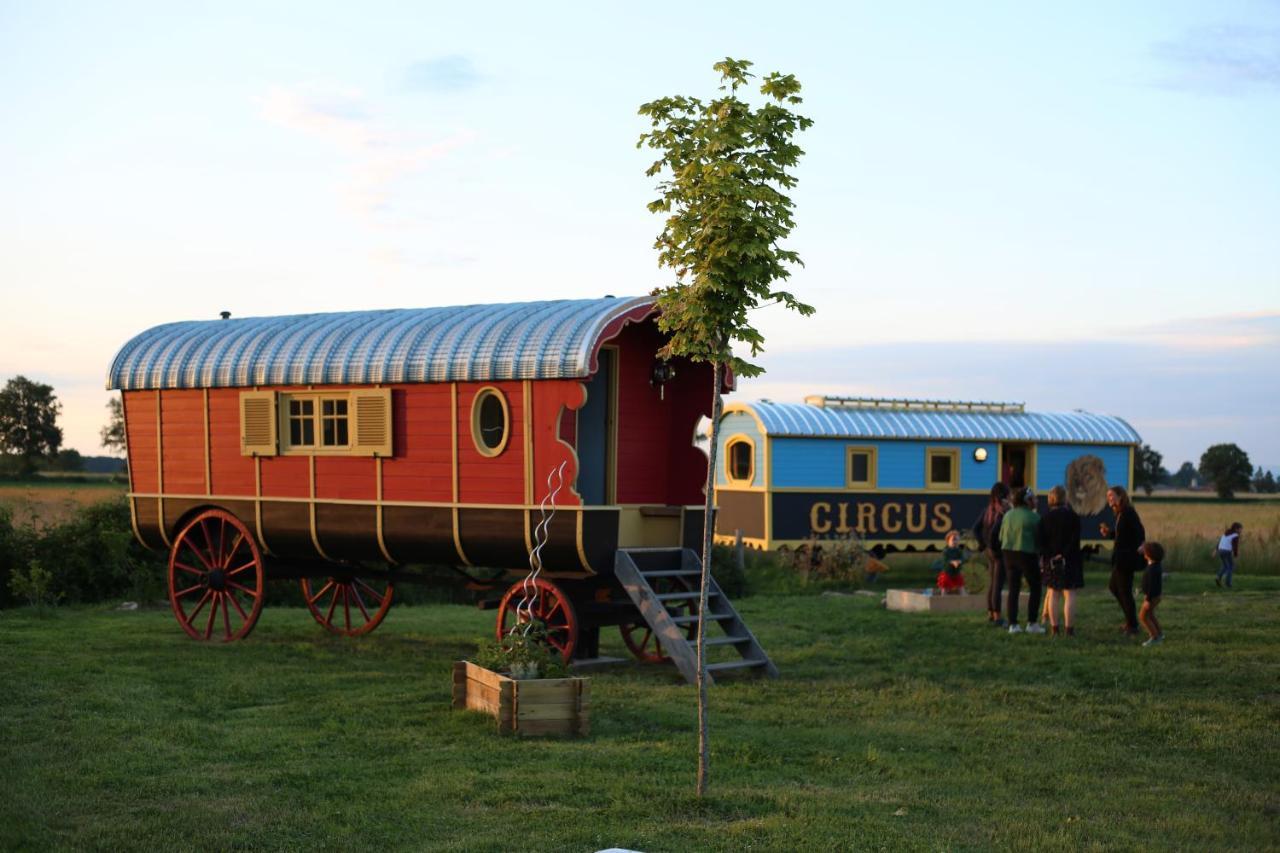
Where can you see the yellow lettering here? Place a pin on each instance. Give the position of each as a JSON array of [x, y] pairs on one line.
[[941, 518], [891, 526], [843, 526], [815, 524], [917, 517], [866, 519]]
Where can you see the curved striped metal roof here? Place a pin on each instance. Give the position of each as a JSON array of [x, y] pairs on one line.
[[802, 419], [523, 340]]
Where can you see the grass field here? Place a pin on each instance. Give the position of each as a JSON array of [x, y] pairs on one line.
[[43, 502], [886, 731]]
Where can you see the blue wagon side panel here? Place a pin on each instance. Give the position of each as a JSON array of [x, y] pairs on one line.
[[1052, 461], [819, 463]]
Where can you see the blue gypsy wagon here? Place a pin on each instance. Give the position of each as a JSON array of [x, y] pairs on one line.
[[902, 473]]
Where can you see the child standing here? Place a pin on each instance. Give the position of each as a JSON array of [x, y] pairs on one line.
[[1152, 589], [1228, 551], [950, 579]]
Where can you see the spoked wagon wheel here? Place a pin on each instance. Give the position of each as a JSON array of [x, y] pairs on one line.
[[346, 604], [640, 638], [215, 565], [549, 605]]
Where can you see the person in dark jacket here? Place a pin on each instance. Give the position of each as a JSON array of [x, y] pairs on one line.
[[1129, 535], [987, 532], [1020, 545], [1064, 564]]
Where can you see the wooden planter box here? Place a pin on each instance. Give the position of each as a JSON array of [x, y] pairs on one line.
[[536, 706]]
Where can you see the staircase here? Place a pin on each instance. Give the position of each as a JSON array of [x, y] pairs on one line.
[[664, 585]]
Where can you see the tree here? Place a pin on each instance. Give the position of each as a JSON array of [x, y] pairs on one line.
[[1268, 484], [67, 460], [113, 433], [1227, 467], [1185, 476], [29, 422], [1147, 468], [724, 172]]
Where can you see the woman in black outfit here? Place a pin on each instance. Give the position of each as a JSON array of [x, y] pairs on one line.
[[1129, 535], [1060, 555], [987, 532]]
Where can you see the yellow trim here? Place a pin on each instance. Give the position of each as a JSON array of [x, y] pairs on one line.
[[208, 461], [476, 401], [953, 453], [257, 500], [382, 542], [880, 491], [526, 427], [311, 508], [1129, 485], [453, 438], [164, 536], [739, 438], [182, 496], [768, 504], [750, 541], [582, 551], [730, 408], [873, 466], [133, 521]]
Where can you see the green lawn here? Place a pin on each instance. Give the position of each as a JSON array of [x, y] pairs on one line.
[[887, 731]]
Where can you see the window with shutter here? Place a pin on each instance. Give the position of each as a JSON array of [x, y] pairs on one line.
[[258, 423], [336, 423]]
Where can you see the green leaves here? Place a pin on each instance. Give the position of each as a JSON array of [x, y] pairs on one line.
[[724, 169]]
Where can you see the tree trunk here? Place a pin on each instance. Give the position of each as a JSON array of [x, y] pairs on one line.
[[708, 529]]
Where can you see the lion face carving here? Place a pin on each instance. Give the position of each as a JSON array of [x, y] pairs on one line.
[[1087, 484]]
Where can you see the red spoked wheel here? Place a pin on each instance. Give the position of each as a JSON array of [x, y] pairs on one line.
[[548, 605], [346, 604], [639, 637], [216, 577]]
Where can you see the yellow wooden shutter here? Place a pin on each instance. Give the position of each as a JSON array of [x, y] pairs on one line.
[[372, 435], [258, 423]]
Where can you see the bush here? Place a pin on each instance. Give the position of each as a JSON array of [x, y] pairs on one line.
[[90, 557], [35, 584]]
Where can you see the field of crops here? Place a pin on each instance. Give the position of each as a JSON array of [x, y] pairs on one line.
[[47, 502]]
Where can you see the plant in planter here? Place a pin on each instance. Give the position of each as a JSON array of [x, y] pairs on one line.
[[522, 681], [523, 653]]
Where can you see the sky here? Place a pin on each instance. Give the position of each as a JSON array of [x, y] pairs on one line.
[[1072, 205]]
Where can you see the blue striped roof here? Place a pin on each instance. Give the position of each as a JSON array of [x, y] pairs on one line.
[[523, 340], [802, 419]]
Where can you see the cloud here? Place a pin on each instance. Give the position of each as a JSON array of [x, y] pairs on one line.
[[379, 157], [1222, 60], [442, 74]]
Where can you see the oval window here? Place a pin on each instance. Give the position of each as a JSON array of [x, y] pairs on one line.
[[740, 461], [490, 422]]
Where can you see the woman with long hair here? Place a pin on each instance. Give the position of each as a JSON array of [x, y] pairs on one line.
[[1129, 534], [987, 532]]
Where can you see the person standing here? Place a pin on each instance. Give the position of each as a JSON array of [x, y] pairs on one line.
[[1228, 552], [1129, 535], [987, 532], [1020, 545], [1065, 564], [1152, 589]]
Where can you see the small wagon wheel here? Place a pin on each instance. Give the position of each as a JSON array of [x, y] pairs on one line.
[[348, 605], [215, 565], [639, 637], [550, 606]]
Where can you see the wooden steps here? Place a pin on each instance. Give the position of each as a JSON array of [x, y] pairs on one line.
[[644, 571]]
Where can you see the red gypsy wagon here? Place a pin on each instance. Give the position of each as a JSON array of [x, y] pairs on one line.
[[342, 449]]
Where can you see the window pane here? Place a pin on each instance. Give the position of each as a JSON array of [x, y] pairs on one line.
[[295, 431], [859, 467], [492, 422], [308, 432], [330, 434], [740, 460], [326, 407], [940, 468], [342, 431]]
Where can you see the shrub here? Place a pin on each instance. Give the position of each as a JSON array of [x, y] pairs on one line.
[[34, 584]]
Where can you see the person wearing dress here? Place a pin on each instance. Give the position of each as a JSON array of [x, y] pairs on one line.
[[1061, 555]]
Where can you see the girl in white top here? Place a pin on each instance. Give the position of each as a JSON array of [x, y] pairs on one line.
[[1228, 551]]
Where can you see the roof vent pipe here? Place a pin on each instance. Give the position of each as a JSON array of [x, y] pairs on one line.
[[226, 315]]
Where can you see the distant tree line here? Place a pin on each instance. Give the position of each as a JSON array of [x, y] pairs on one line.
[[31, 440], [1224, 466]]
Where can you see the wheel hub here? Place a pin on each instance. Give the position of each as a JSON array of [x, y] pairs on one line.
[[217, 580]]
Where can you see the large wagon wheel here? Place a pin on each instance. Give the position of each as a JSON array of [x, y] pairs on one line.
[[639, 637], [550, 606], [215, 565], [348, 605]]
